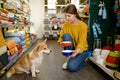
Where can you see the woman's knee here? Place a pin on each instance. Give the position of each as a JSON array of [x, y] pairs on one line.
[[72, 68], [67, 37]]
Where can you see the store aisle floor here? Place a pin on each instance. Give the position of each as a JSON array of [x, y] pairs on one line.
[[51, 68]]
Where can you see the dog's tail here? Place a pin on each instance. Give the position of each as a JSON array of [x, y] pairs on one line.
[[10, 72]]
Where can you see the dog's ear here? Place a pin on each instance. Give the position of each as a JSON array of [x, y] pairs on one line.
[[38, 47], [45, 40]]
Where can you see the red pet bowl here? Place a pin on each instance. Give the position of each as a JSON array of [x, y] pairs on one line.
[[66, 43]]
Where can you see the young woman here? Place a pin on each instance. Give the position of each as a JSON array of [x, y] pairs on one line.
[[74, 30]]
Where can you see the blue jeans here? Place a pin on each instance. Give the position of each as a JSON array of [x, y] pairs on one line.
[[76, 63]]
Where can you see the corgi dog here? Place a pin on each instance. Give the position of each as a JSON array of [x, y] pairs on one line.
[[29, 63]]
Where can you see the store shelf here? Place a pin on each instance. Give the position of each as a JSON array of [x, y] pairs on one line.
[[106, 70], [82, 15], [15, 15], [11, 63]]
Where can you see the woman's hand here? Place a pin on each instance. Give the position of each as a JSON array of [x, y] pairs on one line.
[[75, 52], [60, 43]]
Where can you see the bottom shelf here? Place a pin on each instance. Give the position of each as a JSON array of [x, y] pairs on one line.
[[106, 70], [11, 63]]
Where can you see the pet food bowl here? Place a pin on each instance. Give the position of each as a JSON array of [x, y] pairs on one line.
[[67, 52], [66, 43]]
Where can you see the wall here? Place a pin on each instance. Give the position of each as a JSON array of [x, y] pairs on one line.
[[107, 25], [37, 16]]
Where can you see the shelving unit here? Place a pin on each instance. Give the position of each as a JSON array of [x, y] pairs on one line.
[[11, 63], [106, 70], [52, 27], [108, 28], [15, 15]]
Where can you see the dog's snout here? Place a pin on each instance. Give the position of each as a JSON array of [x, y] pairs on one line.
[[50, 50]]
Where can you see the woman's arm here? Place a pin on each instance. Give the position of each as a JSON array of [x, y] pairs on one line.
[[82, 42]]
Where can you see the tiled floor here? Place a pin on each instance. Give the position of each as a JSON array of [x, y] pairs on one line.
[[51, 68]]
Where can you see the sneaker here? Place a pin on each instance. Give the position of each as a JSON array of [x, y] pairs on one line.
[[64, 65]]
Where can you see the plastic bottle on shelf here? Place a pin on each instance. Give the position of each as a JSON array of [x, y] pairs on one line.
[[117, 39], [97, 44]]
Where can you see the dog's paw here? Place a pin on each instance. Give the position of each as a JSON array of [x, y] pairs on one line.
[[37, 71], [8, 75], [27, 72], [33, 75]]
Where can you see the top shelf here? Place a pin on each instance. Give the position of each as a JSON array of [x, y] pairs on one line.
[[17, 8]]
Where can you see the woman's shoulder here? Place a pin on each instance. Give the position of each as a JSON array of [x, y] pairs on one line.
[[83, 23], [66, 22]]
